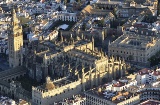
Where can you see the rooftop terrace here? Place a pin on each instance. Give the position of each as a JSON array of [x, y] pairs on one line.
[[111, 96]]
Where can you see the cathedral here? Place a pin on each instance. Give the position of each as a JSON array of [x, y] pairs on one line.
[[69, 56], [72, 64]]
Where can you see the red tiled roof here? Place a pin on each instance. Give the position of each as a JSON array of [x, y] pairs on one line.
[[118, 84], [156, 73], [144, 71], [140, 25]]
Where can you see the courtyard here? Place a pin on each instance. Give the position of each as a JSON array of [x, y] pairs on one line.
[[59, 23]]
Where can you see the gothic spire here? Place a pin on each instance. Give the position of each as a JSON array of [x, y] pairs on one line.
[[14, 17]]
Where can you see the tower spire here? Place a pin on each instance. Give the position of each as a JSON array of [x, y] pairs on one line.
[[14, 16], [15, 39]]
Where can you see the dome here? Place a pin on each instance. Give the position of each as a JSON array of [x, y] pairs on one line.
[[49, 84]]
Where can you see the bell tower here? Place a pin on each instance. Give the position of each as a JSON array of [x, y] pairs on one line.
[[15, 42]]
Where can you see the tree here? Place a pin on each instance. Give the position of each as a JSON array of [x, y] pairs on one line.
[[154, 60], [101, 23], [65, 2], [84, 26], [59, 8], [78, 1]]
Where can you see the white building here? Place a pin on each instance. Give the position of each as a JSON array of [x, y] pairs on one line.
[[133, 47], [127, 91], [66, 16], [75, 100], [146, 76], [32, 37], [97, 97]]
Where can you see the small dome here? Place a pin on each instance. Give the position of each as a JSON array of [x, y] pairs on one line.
[[49, 84]]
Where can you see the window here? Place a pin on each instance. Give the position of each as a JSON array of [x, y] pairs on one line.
[[141, 32], [146, 33]]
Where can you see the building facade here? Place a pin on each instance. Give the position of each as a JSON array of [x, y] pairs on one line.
[[55, 91], [66, 16], [136, 48], [127, 9], [146, 76]]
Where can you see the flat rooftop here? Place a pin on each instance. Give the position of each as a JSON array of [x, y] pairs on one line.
[[133, 41], [71, 100], [48, 49], [56, 83], [109, 2], [75, 42], [88, 57], [111, 96]]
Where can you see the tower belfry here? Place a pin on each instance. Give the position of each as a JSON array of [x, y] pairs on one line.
[[15, 42]]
